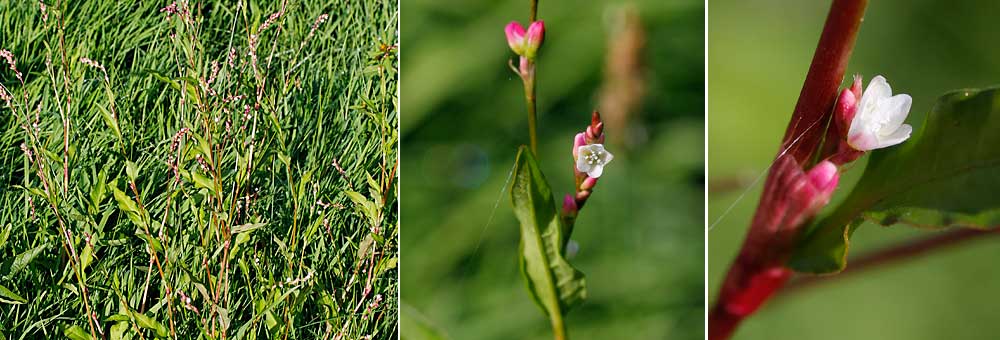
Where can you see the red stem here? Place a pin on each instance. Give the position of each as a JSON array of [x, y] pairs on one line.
[[819, 92], [758, 271]]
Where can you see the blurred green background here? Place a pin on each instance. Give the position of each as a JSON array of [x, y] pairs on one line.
[[759, 52], [641, 234]]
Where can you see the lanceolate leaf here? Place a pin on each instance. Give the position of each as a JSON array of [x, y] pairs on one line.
[[555, 285], [23, 259], [946, 175], [7, 296], [149, 323], [76, 333]]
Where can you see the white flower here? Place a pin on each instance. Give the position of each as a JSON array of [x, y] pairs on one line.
[[879, 120], [591, 159]]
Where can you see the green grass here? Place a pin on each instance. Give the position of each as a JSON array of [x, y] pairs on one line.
[[274, 212]]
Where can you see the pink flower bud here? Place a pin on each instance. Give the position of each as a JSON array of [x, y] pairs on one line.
[[824, 177], [578, 141], [588, 184], [811, 194], [569, 205], [847, 106], [856, 86], [515, 37], [535, 35], [595, 131]]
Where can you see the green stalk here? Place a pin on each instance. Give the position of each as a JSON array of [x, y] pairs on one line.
[[529, 99], [534, 10], [558, 328]]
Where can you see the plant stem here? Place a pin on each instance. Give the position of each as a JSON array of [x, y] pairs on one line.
[[758, 271], [826, 72], [558, 328], [529, 99], [534, 11]]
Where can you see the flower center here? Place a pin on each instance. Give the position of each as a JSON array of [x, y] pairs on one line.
[[592, 158]]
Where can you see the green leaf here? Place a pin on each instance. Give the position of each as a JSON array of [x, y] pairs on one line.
[[946, 175], [357, 198], [23, 259], [76, 333], [97, 191], [148, 323], [555, 285], [223, 317], [387, 264], [247, 227], [109, 120], [86, 256], [118, 330], [5, 235], [131, 209], [200, 181], [365, 246], [131, 169], [117, 317], [8, 296], [159, 76]]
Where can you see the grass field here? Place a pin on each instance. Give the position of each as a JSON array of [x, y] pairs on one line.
[[205, 170]]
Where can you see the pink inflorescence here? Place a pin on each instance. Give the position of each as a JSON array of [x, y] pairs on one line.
[[45, 13], [11, 63], [270, 20], [180, 8], [594, 134]]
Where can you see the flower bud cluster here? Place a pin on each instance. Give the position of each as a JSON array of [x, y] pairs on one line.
[[590, 157]]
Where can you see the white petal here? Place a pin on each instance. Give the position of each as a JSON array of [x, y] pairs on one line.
[[581, 161], [901, 134], [863, 140], [895, 108], [596, 171], [859, 128], [607, 157], [878, 88]]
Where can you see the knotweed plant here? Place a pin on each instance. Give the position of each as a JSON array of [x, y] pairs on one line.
[[554, 284], [216, 170], [944, 175]]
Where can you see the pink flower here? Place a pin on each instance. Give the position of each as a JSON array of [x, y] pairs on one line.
[[515, 37], [536, 33], [525, 43]]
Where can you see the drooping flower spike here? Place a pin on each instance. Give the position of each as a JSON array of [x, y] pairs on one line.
[[878, 122]]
